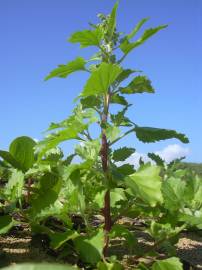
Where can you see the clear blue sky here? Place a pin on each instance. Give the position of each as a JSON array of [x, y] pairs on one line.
[[33, 41]]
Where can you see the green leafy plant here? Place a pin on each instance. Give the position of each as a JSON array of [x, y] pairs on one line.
[[80, 205], [104, 87]]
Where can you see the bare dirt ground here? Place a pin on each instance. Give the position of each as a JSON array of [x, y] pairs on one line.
[[18, 247]]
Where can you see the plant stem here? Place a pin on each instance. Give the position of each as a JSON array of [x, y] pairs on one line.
[[123, 135], [104, 157], [107, 225]]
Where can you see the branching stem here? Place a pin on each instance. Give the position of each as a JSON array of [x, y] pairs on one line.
[[122, 136]]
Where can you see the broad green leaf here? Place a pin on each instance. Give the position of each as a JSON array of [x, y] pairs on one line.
[[173, 190], [87, 37], [193, 190], [76, 200], [112, 21], [46, 202], [127, 46], [146, 184], [59, 238], [150, 134], [90, 247], [139, 84], [197, 189], [40, 266], [47, 181], [76, 197], [22, 150], [10, 159], [190, 217], [122, 153], [62, 71], [118, 99], [137, 28], [168, 264], [14, 187], [21, 153], [6, 223], [162, 232], [116, 195], [101, 79]]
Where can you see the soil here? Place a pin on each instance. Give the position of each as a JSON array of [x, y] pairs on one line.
[[19, 247]]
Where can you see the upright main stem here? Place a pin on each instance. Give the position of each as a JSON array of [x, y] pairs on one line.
[[105, 167]]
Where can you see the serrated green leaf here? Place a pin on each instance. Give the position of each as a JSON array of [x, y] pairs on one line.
[[101, 79], [90, 247], [149, 134], [68, 159], [126, 169], [156, 158], [124, 75], [70, 128], [120, 119], [89, 150], [137, 28], [62, 71], [139, 84], [90, 102], [112, 21], [53, 156], [122, 153], [161, 232], [126, 46], [168, 264], [118, 99], [53, 140], [146, 184], [6, 223], [40, 266], [87, 37]]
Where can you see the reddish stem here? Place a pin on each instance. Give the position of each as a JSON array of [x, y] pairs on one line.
[[106, 210]]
